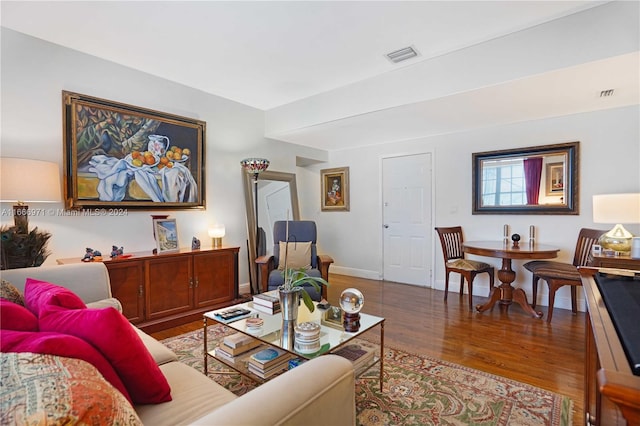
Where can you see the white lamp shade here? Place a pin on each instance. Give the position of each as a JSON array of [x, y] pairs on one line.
[[29, 181], [616, 208], [217, 231]]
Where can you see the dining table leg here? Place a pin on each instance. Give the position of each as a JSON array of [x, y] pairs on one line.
[[505, 293]]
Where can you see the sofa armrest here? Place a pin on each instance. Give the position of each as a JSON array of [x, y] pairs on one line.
[[318, 392], [90, 281]]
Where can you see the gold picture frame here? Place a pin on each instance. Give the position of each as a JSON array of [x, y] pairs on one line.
[[554, 177], [335, 189], [123, 156]]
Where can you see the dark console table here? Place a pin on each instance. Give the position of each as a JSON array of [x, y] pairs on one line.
[[612, 359]]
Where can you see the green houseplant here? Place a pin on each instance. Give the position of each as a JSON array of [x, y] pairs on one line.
[[294, 280]]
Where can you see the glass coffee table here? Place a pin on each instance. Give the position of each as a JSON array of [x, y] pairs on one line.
[[333, 337]]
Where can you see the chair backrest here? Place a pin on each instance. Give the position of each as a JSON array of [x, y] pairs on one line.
[[586, 239], [451, 240], [299, 231]]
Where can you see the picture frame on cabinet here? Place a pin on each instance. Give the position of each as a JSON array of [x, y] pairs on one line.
[[166, 234], [335, 189], [119, 156]]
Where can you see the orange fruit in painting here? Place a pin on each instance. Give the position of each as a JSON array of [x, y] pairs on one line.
[[164, 160], [169, 155], [150, 160], [170, 164], [135, 154], [148, 154], [177, 154], [160, 166], [136, 162], [186, 152]]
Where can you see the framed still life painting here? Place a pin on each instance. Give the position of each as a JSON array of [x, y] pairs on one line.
[[123, 156], [335, 189]]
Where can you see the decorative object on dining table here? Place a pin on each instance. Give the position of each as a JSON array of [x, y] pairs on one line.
[[516, 240], [216, 233], [195, 243], [617, 209], [532, 234], [351, 302], [505, 234]]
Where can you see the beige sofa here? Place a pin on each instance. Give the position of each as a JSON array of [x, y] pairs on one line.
[[318, 392]]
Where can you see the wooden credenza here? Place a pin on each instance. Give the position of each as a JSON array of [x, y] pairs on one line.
[[612, 391], [162, 291], [620, 262]]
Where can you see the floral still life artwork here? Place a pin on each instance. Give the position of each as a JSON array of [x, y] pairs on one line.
[[120, 155]]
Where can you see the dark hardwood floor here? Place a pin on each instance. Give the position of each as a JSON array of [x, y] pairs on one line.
[[507, 343]]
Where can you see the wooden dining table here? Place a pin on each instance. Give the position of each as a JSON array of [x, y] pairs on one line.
[[505, 293]]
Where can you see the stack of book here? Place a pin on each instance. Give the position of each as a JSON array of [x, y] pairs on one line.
[[268, 362], [266, 303], [234, 345], [361, 354]]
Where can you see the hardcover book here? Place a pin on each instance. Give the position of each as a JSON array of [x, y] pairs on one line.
[[268, 357], [237, 339], [265, 300]]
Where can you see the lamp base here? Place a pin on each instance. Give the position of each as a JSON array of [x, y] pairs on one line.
[[21, 217], [618, 239], [216, 242]]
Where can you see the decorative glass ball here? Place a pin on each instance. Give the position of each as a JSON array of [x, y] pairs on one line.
[[351, 300]]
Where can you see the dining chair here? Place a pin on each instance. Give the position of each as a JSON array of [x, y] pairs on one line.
[[558, 274], [451, 240]]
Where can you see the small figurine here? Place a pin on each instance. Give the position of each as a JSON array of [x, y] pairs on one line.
[[91, 255], [88, 255], [115, 251], [195, 244]]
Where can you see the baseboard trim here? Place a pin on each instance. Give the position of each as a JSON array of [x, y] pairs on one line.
[[353, 272]]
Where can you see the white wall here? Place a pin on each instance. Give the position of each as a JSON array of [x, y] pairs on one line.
[[35, 72], [609, 158]]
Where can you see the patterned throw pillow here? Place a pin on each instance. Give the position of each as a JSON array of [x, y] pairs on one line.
[[11, 293], [47, 389]]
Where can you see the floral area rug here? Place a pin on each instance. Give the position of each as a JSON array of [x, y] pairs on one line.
[[418, 390]]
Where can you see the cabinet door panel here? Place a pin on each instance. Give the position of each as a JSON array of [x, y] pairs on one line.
[[169, 286], [127, 285], [214, 277]]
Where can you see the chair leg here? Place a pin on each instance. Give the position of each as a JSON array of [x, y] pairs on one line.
[[470, 286], [446, 285], [552, 298], [461, 285], [574, 307], [534, 286]]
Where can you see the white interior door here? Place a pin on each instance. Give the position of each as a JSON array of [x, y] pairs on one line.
[[406, 197]]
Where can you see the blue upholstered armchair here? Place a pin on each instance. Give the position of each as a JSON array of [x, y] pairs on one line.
[[301, 253]]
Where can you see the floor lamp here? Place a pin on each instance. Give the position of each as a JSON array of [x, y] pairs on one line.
[[254, 166]]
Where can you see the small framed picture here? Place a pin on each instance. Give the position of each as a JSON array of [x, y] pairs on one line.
[[166, 234], [335, 189], [332, 317], [555, 179]]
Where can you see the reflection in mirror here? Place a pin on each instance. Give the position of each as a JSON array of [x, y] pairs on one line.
[[277, 200], [535, 180]]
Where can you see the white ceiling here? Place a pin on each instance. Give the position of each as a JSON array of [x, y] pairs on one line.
[[267, 54]]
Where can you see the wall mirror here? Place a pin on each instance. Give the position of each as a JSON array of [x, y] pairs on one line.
[[277, 199], [535, 180]]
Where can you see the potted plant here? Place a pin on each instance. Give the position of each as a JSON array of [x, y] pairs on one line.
[[293, 288]]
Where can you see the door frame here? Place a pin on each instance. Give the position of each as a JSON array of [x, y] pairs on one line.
[[430, 281]]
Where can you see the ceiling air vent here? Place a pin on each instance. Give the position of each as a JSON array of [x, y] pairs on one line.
[[402, 54], [605, 93]]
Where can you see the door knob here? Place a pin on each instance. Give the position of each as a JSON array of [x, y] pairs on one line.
[[385, 225]]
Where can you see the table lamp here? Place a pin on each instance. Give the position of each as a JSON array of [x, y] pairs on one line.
[[25, 181], [216, 232], [616, 209]]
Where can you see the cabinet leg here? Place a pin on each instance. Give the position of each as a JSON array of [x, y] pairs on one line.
[[206, 355]]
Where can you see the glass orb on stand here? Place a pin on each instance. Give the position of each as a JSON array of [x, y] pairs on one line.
[[351, 301]]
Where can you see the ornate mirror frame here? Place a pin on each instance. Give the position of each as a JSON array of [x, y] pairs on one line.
[[558, 158], [248, 184]]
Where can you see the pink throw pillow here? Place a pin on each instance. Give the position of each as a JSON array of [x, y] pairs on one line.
[[60, 345], [40, 293], [112, 334], [16, 317]]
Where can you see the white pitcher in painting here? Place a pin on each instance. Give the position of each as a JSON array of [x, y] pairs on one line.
[[158, 145]]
